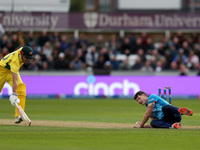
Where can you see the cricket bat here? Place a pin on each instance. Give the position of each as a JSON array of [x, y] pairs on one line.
[[23, 115]]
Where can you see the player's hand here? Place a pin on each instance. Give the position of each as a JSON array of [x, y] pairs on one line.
[[137, 124], [13, 98]]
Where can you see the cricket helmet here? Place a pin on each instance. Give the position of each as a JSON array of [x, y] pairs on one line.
[[27, 52]]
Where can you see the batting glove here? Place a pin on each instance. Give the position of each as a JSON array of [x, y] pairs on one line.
[[13, 98]]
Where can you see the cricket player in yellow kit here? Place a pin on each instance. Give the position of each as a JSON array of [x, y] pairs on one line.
[[9, 72]]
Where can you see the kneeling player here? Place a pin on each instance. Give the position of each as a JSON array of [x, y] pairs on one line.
[[163, 114]]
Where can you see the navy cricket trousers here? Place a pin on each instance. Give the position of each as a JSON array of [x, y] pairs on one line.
[[171, 115]]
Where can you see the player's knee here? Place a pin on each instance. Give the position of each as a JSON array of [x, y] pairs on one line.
[[166, 108], [21, 89], [153, 123]]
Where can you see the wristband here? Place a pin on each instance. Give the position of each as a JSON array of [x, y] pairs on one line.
[[14, 94]]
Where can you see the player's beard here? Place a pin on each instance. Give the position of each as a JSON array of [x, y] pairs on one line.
[[26, 63]]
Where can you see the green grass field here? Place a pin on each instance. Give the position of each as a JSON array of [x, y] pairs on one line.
[[98, 110]]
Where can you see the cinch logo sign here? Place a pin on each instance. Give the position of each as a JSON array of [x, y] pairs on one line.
[[101, 88]]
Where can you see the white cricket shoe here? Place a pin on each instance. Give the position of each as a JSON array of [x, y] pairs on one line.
[[18, 119]]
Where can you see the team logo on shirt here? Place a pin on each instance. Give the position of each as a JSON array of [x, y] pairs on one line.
[[151, 100]]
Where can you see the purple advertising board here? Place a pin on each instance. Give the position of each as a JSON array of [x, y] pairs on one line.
[[108, 85], [93, 20]]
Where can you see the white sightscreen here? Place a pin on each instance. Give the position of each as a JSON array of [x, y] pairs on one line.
[[35, 5], [149, 4]]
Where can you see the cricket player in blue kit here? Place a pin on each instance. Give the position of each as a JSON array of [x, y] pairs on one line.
[[163, 114]]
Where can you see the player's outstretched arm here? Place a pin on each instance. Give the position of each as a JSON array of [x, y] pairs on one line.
[[147, 115], [14, 97], [15, 80]]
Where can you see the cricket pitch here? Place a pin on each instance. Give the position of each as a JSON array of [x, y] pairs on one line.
[[79, 124]]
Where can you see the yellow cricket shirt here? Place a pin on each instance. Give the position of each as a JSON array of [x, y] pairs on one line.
[[12, 61]]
